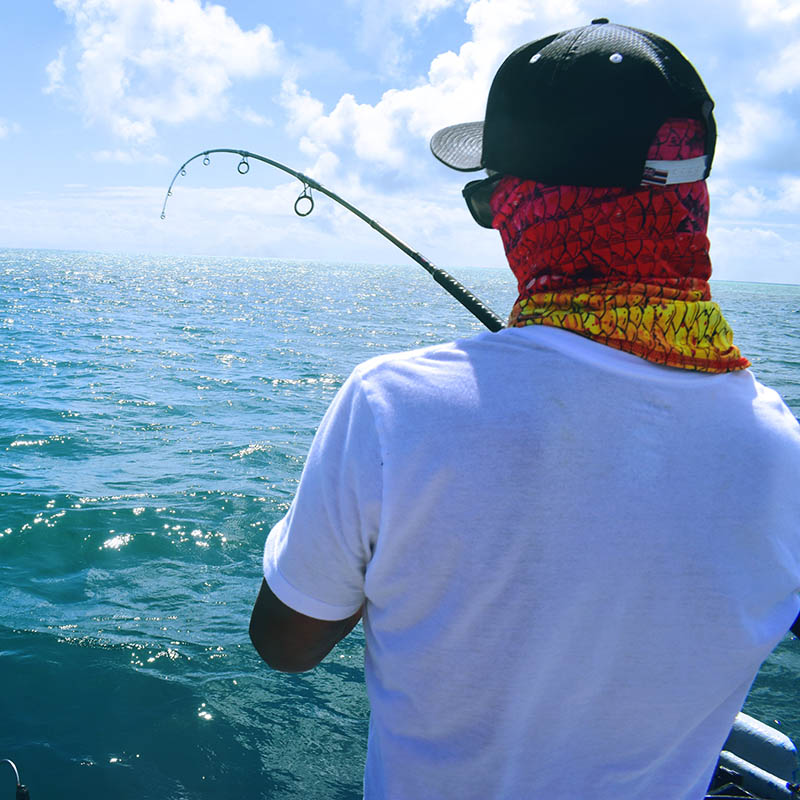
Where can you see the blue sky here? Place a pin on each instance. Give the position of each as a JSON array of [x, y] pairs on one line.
[[102, 100]]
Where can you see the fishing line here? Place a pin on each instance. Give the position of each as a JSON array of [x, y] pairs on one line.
[[304, 205]]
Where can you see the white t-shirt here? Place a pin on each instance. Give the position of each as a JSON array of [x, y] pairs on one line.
[[573, 562]]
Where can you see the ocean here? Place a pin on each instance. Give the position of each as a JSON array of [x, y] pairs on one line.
[[155, 416]]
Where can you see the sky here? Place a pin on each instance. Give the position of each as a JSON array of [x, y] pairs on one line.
[[102, 100]]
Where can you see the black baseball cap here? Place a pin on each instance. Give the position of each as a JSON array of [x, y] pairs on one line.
[[582, 107]]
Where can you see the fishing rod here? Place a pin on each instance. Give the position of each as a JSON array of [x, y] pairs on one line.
[[304, 205], [22, 791]]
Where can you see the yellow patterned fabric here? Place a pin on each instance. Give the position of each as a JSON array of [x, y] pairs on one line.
[[690, 334]]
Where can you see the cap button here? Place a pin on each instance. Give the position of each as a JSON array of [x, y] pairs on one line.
[[600, 21]]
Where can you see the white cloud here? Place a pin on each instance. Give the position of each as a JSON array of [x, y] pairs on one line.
[[303, 109], [132, 156], [144, 62], [755, 253], [784, 74], [371, 131], [7, 128], [253, 117], [789, 194], [509, 23], [779, 201], [745, 203], [55, 73], [385, 23], [379, 16], [759, 126], [418, 9], [764, 13], [380, 30]]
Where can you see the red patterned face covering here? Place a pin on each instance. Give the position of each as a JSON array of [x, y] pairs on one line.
[[628, 268]]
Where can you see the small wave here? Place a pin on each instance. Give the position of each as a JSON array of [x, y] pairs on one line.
[[257, 447], [117, 542], [56, 439], [228, 358], [133, 402]]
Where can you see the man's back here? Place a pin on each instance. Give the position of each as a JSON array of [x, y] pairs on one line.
[[573, 561]]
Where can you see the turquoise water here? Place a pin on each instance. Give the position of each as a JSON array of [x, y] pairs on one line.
[[155, 417]]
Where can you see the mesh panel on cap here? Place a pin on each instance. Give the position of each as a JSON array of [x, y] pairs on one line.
[[459, 146]]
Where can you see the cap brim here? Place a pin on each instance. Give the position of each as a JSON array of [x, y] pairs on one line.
[[459, 146]]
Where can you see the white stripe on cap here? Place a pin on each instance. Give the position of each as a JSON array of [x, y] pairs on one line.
[[661, 173]]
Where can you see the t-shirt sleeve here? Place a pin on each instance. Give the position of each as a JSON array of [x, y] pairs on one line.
[[315, 558]]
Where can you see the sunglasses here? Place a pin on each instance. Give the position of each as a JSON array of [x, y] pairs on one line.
[[477, 195]]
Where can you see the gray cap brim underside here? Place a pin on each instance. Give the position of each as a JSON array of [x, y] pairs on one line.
[[459, 146]]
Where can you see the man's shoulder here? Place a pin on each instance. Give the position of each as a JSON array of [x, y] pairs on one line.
[[485, 344], [439, 373], [418, 358], [773, 413]]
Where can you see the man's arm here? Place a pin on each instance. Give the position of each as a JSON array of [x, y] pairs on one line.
[[290, 641]]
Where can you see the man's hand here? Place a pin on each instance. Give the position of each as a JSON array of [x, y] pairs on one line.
[[289, 641]]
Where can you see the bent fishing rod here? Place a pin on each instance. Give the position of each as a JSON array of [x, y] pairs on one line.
[[22, 792], [304, 205]]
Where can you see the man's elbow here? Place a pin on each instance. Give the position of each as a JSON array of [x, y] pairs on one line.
[[278, 657], [281, 663], [290, 641]]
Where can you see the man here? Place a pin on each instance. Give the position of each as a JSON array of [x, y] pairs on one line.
[[574, 541]]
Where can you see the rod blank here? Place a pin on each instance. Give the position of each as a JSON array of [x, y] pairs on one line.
[[456, 289]]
